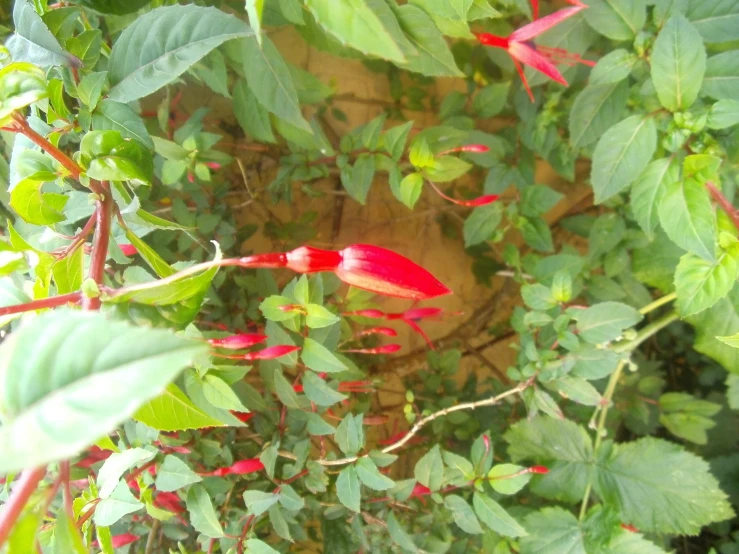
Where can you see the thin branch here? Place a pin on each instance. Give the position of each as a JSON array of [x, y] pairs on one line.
[[152, 537], [27, 484], [724, 203], [67, 492], [104, 213], [42, 303]]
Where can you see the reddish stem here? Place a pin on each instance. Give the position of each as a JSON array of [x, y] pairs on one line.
[[104, 213], [22, 126], [27, 484], [52, 302], [724, 203], [67, 492]]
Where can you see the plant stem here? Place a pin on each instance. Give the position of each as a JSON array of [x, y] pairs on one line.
[[66, 491], [51, 302], [152, 537], [724, 203], [600, 432], [27, 484], [657, 303], [104, 213], [21, 126]]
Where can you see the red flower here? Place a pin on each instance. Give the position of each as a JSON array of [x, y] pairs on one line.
[[128, 249], [541, 470], [535, 8], [242, 467], [474, 203], [363, 266], [95, 455], [387, 331], [543, 59], [243, 416], [236, 342], [386, 349], [119, 540], [169, 501], [474, 148], [271, 352]]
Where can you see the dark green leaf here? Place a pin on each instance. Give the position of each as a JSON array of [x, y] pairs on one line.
[[33, 42], [481, 224], [348, 488], [597, 108], [716, 20]]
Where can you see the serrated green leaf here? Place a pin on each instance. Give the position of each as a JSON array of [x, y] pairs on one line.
[[174, 474], [722, 76], [429, 470], [410, 189], [318, 317], [319, 358], [606, 321], [616, 19], [251, 115], [700, 284], [371, 477], [357, 179], [613, 67], [552, 530], [350, 435], [463, 514], [116, 465], [173, 411], [687, 217], [203, 516], [115, 116], [716, 20], [494, 516], [220, 394], [318, 391], [649, 189], [597, 108], [481, 224], [399, 535], [33, 42], [119, 504], [348, 489]]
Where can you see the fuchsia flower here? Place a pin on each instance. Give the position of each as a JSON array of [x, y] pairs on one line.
[[242, 467], [535, 8], [237, 342], [410, 317], [473, 148], [169, 501], [243, 417], [128, 249], [271, 352], [543, 59], [363, 266], [541, 470], [483, 200]]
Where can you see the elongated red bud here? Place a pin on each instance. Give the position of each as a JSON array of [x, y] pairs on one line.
[[541, 470], [421, 313], [386, 349], [474, 203], [243, 417], [387, 331], [486, 443], [236, 342], [535, 8], [375, 314], [472, 148], [119, 541], [355, 386], [420, 490], [271, 352], [629, 528], [128, 249], [213, 165], [169, 501], [242, 467], [486, 39]]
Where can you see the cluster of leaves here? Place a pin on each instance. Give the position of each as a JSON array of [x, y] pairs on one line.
[[208, 447]]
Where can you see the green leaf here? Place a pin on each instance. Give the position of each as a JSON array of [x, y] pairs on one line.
[[34, 206], [722, 76], [119, 504], [594, 363], [687, 217], [258, 502], [355, 24], [616, 19], [660, 487], [613, 67], [173, 411], [538, 297], [553, 530], [494, 516], [357, 179], [463, 514], [371, 477], [116, 465], [399, 535], [429, 470], [716, 20], [33, 42], [90, 88], [251, 115], [284, 389], [481, 224], [203, 516], [348, 489], [434, 57], [723, 114], [606, 321], [319, 358], [678, 64], [597, 108], [114, 116], [115, 7], [174, 474], [410, 189], [620, 156], [62, 395], [549, 439], [537, 234], [318, 317], [268, 77], [491, 99], [162, 44], [578, 390], [700, 283], [254, 9], [446, 168], [255, 546], [731, 341], [500, 478], [721, 320], [318, 391], [649, 190], [318, 426], [67, 537], [394, 139], [220, 394], [350, 435], [538, 199]]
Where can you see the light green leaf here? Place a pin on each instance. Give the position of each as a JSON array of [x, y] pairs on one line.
[[723, 114], [722, 76], [538, 297], [34, 206], [350, 435], [463, 514], [700, 283], [500, 478], [687, 217], [716, 20], [203, 516], [394, 139], [355, 24], [318, 391], [114, 116], [268, 77], [553, 530], [116, 465], [318, 317], [613, 67], [494, 516], [69, 272], [258, 502], [578, 390], [616, 19], [620, 156], [371, 477], [348, 489], [678, 64], [284, 390], [481, 224], [255, 546], [220, 394], [434, 57], [429, 470], [731, 341], [450, 16], [660, 487], [120, 503], [410, 189], [721, 320], [597, 108], [90, 88], [59, 396], [606, 321], [67, 537], [174, 474], [649, 190], [164, 43], [254, 9], [357, 179], [173, 411], [319, 358]]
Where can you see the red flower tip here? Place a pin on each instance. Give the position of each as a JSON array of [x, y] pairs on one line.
[[191, 177], [387, 331], [486, 39], [298, 388], [169, 501], [119, 540], [473, 148], [474, 203], [213, 165], [486, 443], [420, 490], [356, 386], [128, 249], [237, 342], [541, 470], [386, 349], [375, 314], [630, 528], [415, 314], [95, 455], [243, 467], [242, 416], [271, 352]]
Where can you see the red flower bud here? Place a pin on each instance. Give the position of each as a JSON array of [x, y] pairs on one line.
[[119, 540], [242, 416], [271, 352], [420, 313], [629, 528], [242, 467], [387, 331], [420, 490], [128, 249], [474, 203], [374, 314], [169, 501], [190, 177], [213, 165], [541, 470], [473, 148], [486, 442], [386, 349], [236, 342]]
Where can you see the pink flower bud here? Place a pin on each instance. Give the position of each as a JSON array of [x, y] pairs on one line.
[[387, 331], [419, 313], [128, 249], [541, 470], [486, 442], [271, 352], [242, 467], [236, 342], [191, 176], [472, 148], [213, 165]]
